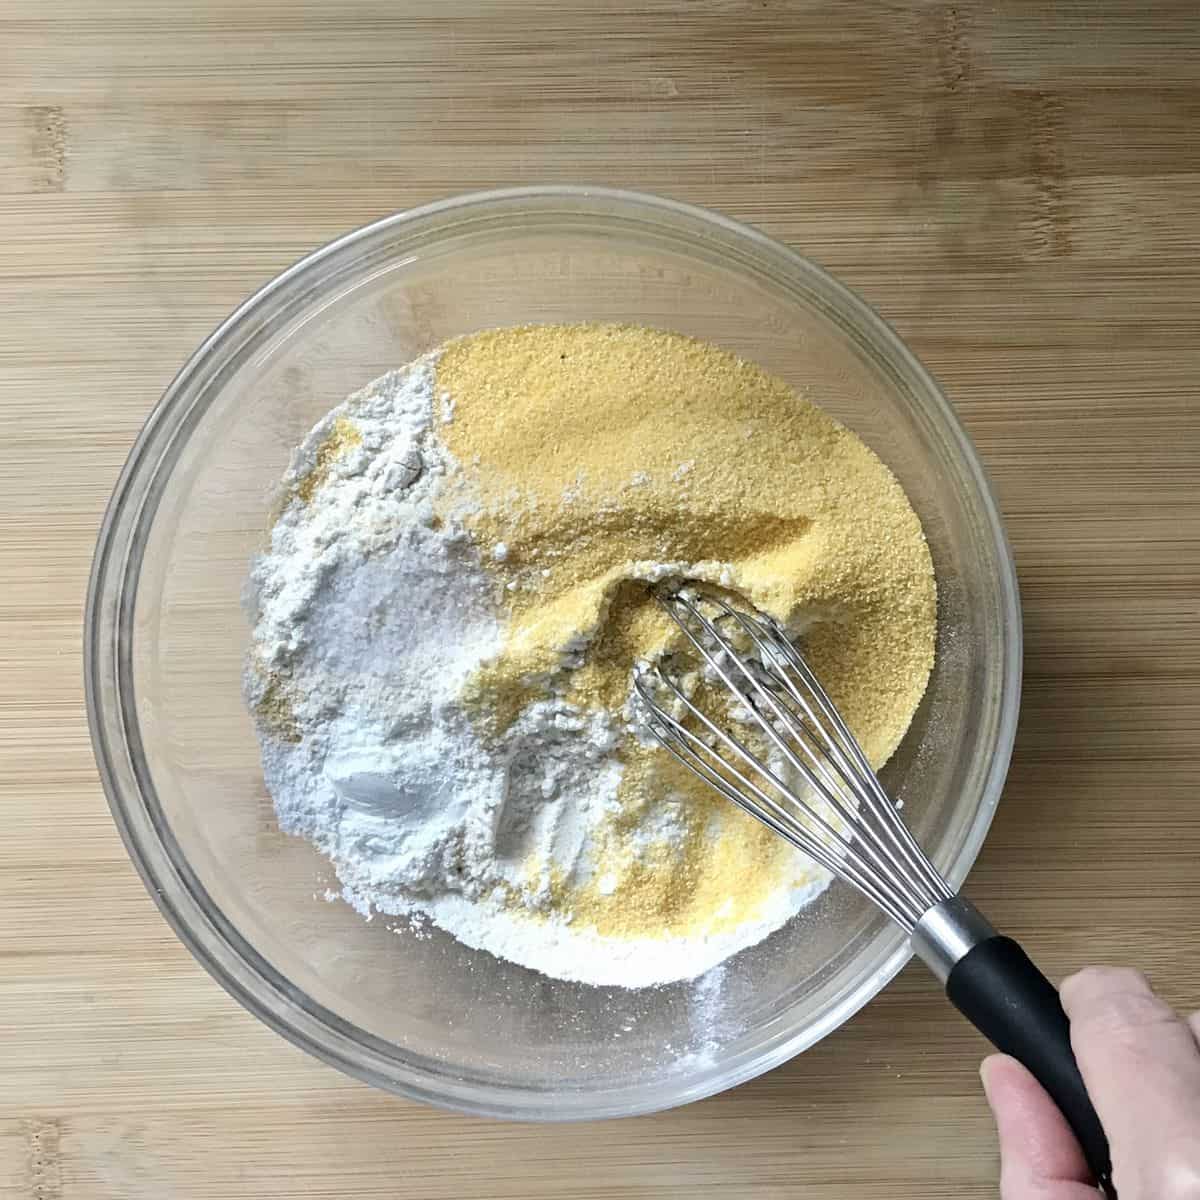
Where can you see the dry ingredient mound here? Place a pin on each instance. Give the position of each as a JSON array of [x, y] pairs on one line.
[[452, 599]]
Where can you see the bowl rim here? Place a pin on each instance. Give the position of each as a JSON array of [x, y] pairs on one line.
[[214, 941]]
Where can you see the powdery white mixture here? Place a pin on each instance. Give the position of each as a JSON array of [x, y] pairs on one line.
[[370, 611]]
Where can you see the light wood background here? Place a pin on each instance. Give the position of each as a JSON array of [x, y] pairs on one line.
[[1014, 184]]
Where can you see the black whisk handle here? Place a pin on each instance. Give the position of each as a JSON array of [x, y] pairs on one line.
[[996, 986]]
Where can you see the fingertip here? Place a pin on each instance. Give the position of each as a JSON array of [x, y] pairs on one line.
[[995, 1076], [1036, 1145], [1095, 981], [989, 1064], [988, 1069], [1010, 1092]]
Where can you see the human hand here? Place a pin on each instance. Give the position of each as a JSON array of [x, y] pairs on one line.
[[1141, 1065]]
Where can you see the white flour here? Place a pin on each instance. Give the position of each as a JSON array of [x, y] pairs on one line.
[[369, 615]]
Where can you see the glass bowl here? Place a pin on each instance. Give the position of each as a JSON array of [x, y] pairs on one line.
[[423, 1015]]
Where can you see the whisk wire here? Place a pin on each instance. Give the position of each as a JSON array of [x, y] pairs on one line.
[[850, 761], [780, 695], [814, 772], [687, 749], [698, 749], [872, 793], [748, 700]]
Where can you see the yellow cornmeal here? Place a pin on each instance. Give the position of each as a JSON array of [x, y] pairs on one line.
[[343, 437], [274, 709], [591, 454]]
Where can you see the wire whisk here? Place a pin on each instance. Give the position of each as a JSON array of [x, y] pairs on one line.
[[755, 724], [793, 714]]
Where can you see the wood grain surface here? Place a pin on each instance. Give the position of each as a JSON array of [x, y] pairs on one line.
[[1015, 185]]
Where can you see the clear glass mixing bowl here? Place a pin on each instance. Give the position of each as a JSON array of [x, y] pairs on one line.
[[424, 1016]]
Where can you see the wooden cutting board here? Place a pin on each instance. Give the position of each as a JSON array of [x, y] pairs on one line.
[[1015, 185]]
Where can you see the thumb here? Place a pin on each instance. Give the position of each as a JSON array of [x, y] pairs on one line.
[[1039, 1156]]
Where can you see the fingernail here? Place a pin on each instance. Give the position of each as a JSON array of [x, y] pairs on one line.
[[985, 1070]]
